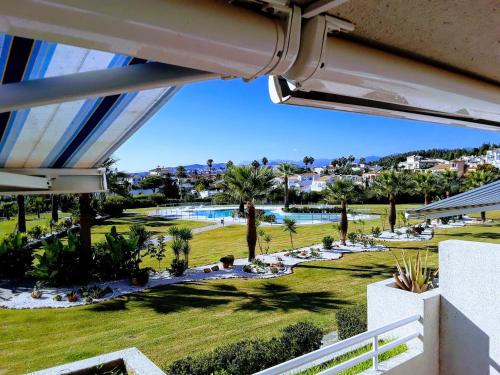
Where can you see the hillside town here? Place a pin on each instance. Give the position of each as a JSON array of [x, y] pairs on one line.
[[202, 181]]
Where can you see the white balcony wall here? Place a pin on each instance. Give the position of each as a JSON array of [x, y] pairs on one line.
[[470, 308], [387, 304]]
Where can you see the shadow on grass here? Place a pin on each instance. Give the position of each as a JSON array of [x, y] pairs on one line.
[[364, 271], [272, 296], [133, 218], [267, 297], [483, 235]]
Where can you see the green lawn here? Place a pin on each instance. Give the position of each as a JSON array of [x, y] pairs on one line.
[[170, 322], [7, 226]]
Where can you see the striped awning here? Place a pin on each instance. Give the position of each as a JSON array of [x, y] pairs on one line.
[[76, 134], [484, 198]]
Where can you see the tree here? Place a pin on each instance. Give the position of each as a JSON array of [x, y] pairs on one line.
[[390, 184], [425, 183], [479, 178], [264, 161], [55, 208], [342, 191], [229, 164], [255, 164], [169, 187], [21, 214], [290, 226], [450, 182], [38, 205], [246, 184], [362, 160], [285, 170], [180, 173], [116, 181], [210, 163], [151, 182], [308, 160]]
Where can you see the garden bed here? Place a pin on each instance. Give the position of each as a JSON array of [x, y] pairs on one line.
[[266, 266], [405, 234]]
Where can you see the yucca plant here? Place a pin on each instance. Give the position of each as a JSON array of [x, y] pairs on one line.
[[414, 276]]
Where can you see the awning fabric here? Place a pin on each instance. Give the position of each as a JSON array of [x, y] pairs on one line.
[[484, 198], [78, 134]]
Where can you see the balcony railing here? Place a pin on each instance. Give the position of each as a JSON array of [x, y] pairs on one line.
[[331, 351]]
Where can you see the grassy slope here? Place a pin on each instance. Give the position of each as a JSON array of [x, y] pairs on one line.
[[171, 322]]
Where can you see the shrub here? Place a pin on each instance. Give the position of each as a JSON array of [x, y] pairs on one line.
[[177, 267], [15, 258], [352, 237], [327, 242], [376, 232], [313, 210], [351, 321], [60, 263], [113, 206], [250, 356], [116, 257], [36, 232], [445, 219]]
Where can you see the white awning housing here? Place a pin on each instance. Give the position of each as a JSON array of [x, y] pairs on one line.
[[484, 198]]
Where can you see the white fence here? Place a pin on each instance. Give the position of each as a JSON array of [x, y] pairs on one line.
[[331, 351]]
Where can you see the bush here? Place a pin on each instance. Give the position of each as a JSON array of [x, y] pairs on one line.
[[116, 257], [351, 321], [113, 206], [352, 237], [36, 232], [313, 210], [376, 232], [177, 267], [327, 242], [15, 258], [60, 263], [249, 356]]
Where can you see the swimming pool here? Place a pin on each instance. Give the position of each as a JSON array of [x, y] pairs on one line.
[[302, 218]]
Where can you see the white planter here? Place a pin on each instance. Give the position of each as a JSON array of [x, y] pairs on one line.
[[387, 304]]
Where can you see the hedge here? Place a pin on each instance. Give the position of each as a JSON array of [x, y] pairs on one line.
[[351, 321], [250, 356]]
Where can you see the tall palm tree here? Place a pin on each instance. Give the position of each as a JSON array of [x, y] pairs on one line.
[[246, 183], [306, 161], [180, 173], [21, 214], [264, 161], [210, 163], [285, 170], [55, 208], [479, 178], [290, 226], [391, 184], [342, 191], [450, 182], [425, 183], [115, 179], [255, 164]]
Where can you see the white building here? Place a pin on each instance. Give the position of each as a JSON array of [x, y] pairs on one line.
[[417, 162], [208, 193], [493, 157]]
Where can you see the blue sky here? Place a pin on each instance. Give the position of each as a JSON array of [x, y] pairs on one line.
[[234, 120]]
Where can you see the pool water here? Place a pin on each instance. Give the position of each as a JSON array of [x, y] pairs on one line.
[[299, 218]]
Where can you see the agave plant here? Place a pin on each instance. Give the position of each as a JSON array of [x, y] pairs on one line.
[[414, 276]]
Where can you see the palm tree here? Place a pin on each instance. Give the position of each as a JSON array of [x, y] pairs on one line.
[[264, 161], [55, 208], [21, 214], [229, 164], [255, 164], [306, 161], [210, 163], [185, 235], [425, 183], [290, 226], [116, 180], [180, 173], [342, 191], [391, 184], [246, 184], [479, 178], [285, 170], [450, 182]]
